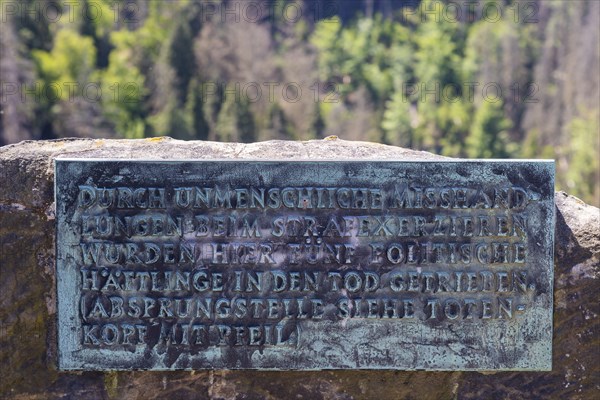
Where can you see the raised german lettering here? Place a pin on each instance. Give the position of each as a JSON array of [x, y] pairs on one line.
[[304, 265]]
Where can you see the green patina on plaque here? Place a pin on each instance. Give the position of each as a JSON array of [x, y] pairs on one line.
[[437, 265]]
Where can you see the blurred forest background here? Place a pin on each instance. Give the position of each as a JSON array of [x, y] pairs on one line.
[[472, 78]]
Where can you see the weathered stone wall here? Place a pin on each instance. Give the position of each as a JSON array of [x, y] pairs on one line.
[[28, 300]]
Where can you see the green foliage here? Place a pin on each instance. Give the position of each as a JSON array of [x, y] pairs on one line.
[[396, 121], [32, 27], [396, 80], [96, 16], [436, 57], [317, 124], [180, 56], [171, 121], [278, 126], [532, 147], [488, 138], [144, 44], [326, 39], [64, 72], [583, 170], [123, 92], [235, 121], [360, 55], [437, 65], [194, 111], [72, 60]]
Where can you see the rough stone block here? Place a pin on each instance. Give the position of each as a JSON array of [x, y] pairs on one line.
[[28, 351]]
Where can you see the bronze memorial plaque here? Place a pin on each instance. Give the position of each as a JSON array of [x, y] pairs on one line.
[[308, 265]]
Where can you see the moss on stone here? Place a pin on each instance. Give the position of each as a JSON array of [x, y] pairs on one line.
[[111, 383], [28, 327]]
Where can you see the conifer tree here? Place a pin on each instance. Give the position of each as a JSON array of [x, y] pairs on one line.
[[488, 136]]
